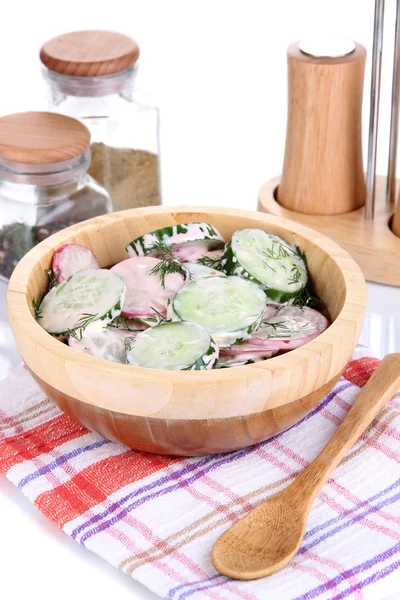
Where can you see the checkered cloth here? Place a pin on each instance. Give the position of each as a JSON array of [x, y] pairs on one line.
[[156, 518]]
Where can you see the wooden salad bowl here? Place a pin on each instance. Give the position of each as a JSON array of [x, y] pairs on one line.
[[192, 412]]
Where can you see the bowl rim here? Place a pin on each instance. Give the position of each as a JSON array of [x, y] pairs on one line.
[[353, 308]]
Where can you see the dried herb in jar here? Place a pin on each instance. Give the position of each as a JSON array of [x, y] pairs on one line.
[[130, 176]]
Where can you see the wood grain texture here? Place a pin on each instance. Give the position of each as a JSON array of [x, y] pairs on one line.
[[192, 437], [196, 395], [396, 220], [41, 138], [372, 244], [323, 166], [266, 539], [89, 53]]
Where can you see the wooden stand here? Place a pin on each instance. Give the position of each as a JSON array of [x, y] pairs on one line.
[[372, 244]]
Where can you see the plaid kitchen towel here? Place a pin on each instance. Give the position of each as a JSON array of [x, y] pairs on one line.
[[156, 518]]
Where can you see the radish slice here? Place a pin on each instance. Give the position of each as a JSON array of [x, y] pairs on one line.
[[145, 295], [107, 343], [247, 351], [309, 314], [71, 258], [290, 328], [270, 311]]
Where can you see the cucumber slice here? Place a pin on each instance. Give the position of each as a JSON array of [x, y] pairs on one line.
[[230, 308], [173, 346], [86, 297], [107, 343], [71, 258], [198, 271], [188, 241], [267, 260]]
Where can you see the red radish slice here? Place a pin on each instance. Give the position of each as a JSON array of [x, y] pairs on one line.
[[190, 251], [144, 292], [71, 258], [290, 328], [270, 311], [309, 314], [246, 351]]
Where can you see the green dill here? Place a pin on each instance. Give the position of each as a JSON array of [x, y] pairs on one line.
[[305, 298], [295, 275], [77, 331], [278, 325], [120, 323], [53, 277], [36, 306], [129, 342], [160, 318], [212, 263], [169, 263], [301, 254], [281, 252]]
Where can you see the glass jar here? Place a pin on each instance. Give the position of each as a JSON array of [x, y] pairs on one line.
[[92, 76], [44, 185]]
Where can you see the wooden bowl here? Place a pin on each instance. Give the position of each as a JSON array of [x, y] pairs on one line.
[[195, 412]]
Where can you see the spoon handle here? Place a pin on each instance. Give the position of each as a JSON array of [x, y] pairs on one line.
[[380, 388]]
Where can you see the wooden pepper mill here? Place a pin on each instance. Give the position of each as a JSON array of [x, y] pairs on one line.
[[323, 166]]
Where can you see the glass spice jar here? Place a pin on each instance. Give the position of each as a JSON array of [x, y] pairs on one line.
[[92, 76], [44, 185]]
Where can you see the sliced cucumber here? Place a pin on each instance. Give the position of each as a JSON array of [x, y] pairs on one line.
[[230, 308], [198, 271], [267, 260], [173, 346], [86, 297], [188, 241], [107, 343]]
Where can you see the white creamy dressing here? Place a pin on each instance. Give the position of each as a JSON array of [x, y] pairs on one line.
[[198, 271], [144, 290], [107, 343]]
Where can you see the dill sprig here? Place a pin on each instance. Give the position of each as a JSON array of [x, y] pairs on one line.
[[305, 298], [129, 343], [160, 318], [277, 325], [120, 323], [295, 275], [281, 252], [302, 254], [53, 277], [212, 263], [36, 306], [169, 263], [84, 321]]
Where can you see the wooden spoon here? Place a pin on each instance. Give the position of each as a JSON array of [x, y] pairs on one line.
[[266, 539]]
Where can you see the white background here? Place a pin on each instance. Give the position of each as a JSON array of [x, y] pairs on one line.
[[218, 70]]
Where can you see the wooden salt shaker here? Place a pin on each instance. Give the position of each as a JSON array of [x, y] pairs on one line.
[[323, 166]]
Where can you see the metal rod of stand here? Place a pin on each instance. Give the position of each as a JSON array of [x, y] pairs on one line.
[[394, 116], [374, 107]]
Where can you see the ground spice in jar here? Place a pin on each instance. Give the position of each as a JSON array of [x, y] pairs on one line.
[[130, 176]]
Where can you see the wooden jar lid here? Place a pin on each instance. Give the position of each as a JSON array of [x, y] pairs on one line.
[[41, 137], [89, 53]]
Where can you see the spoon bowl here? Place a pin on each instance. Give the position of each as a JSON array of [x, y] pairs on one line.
[[269, 537]]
